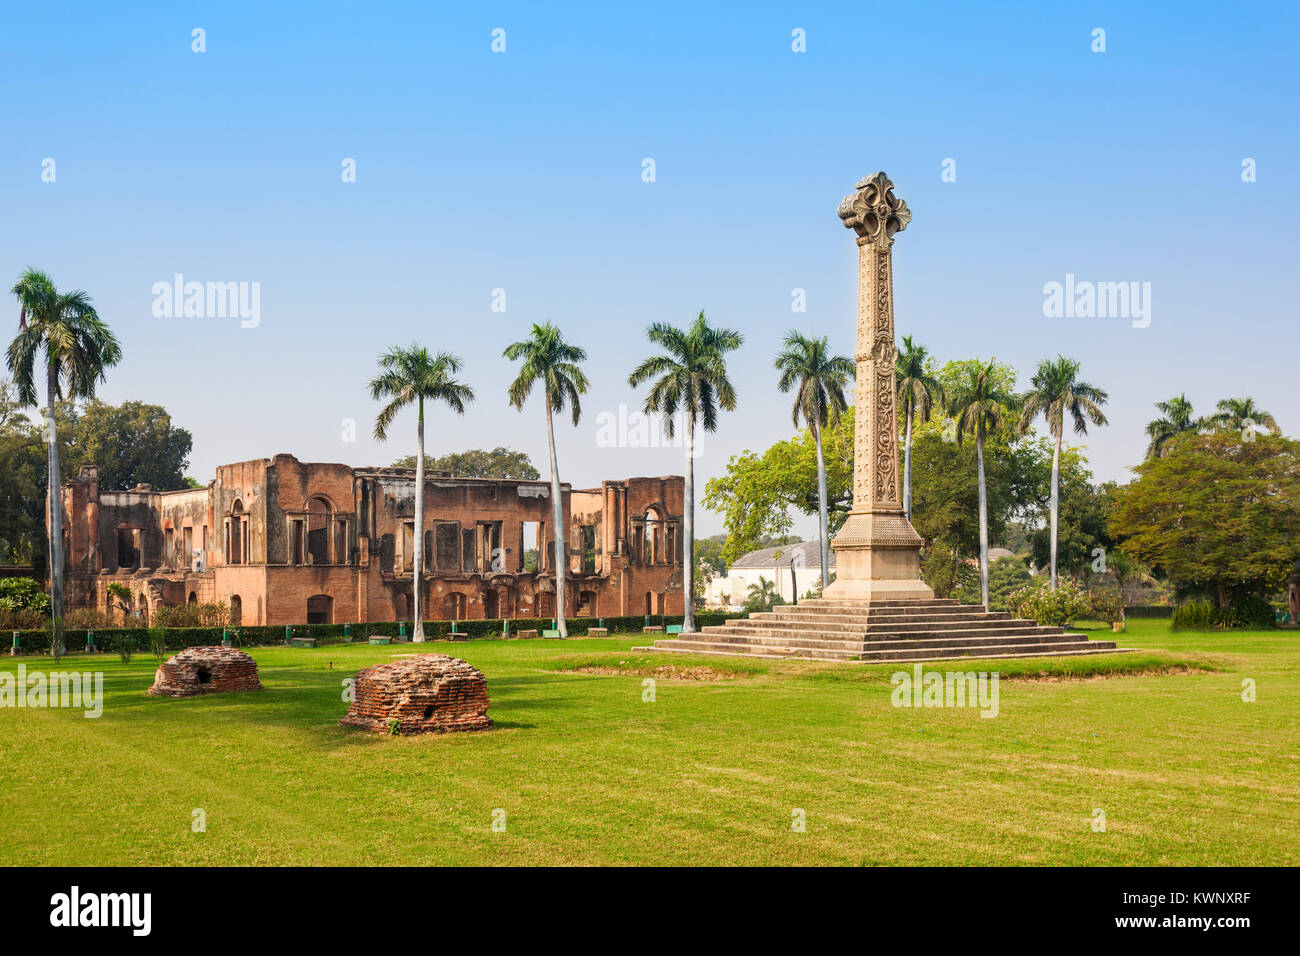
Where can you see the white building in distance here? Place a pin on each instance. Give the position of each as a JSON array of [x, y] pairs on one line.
[[788, 566]]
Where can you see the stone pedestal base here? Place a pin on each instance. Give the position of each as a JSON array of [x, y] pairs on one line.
[[877, 558]]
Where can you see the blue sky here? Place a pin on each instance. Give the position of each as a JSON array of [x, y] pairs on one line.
[[522, 171]]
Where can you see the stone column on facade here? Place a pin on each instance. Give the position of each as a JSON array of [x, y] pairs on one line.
[[877, 551]]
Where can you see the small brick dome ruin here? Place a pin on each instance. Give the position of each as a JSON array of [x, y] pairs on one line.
[[430, 693], [206, 670]]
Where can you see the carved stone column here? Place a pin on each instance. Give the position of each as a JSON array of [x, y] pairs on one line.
[[877, 552]]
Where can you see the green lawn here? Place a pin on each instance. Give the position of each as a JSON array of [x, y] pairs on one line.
[[710, 772]]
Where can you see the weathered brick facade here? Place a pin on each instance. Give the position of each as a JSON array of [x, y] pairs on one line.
[[290, 542]]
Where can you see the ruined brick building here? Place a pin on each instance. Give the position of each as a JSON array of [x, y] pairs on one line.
[[289, 542]]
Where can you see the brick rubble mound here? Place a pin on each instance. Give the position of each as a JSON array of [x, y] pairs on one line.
[[206, 670], [431, 693]]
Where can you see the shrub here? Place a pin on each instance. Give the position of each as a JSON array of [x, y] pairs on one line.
[[125, 647], [23, 604], [16, 618], [158, 642], [1106, 605], [1040, 603], [82, 619], [193, 615], [25, 593], [945, 571], [1248, 612]]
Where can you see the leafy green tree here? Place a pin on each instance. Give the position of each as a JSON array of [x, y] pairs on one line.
[[1242, 415], [549, 360], [1005, 576], [1016, 538], [919, 389], [710, 549], [690, 376], [981, 400], [499, 462], [77, 347], [818, 379], [1176, 418], [23, 474], [1055, 392], [1084, 512], [411, 375], [129, 444], [945, 509], [1220, 516], [757, 491], [948, 573]]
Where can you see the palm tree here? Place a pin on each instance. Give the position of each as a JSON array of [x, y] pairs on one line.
[[763, 595], [1127, 571], [980, 403], [78, 347], [1054, 392], [919, 390], [1175, 419], [1241, 415], [819, 399], [553, 362], [411, 375], [690, 378]]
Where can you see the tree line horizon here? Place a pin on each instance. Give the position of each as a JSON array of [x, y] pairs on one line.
[[63, 344]]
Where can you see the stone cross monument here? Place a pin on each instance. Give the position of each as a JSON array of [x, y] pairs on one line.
[[877, 552]]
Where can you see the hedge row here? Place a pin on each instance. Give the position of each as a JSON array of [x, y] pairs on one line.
[[179, 638], [1149, 610]]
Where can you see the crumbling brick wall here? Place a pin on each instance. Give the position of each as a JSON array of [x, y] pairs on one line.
[[430, 693]]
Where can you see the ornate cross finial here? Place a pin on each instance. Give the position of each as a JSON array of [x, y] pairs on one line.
[[874, 212]]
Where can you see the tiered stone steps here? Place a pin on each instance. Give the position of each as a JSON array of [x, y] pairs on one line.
[[830, 630]]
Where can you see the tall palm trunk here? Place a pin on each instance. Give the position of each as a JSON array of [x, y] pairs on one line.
[[821, 506], [557, 510], [907, 463], [55, 523], [688, 529], [984, 520], [418, 634], [1056, 495]]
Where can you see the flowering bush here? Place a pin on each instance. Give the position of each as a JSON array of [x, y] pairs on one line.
[[1106, 605], [1038, 602]]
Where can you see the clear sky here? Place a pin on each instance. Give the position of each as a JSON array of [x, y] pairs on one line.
[[522, 171]]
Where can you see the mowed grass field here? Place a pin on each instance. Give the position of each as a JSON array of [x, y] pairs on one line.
[[710, 772]]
